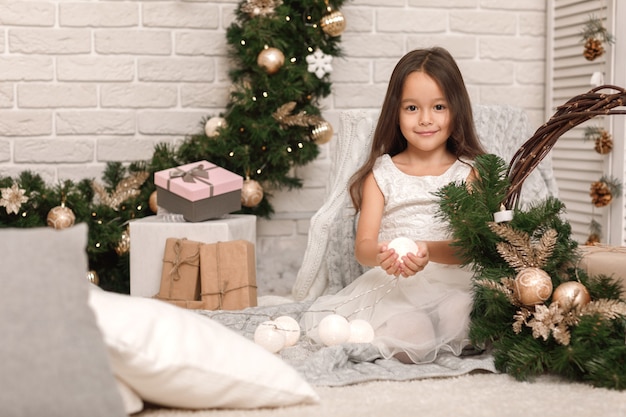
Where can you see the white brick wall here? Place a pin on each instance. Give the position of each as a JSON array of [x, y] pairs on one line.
[[83, 83]]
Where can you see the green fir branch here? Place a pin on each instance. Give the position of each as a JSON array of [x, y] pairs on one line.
[[596, 352]]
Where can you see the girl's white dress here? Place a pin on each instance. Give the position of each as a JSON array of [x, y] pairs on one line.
[[416, 316]]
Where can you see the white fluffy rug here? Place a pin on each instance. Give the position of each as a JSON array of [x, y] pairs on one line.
[[475, 395]]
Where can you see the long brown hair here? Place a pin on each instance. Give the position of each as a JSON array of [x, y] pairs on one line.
[[441, 66]]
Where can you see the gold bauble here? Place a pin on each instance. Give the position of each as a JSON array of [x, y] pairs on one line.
[[322, 132], [123, 246], [333, 23], [60, 217], [533, 286], [92, 276], [152, 202], [251, 193], [571, 293], [271, 60], [212, 125]]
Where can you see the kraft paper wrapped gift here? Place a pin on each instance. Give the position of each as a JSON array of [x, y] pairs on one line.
[[180, 278], [190, 305], [149, 234], [604, 260], [228, 275], [199, 191]]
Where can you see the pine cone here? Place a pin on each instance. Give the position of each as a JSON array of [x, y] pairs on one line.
[[593, 49], [604, 143], [600, 194], [593, 239]]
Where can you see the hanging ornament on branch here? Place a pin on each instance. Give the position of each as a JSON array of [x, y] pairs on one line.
[[532, 285], [283, 115], [321, 130], [152, 202], [333, 23], [262, 8], [251, 193], [213, 125], [127, 188], [123, 246], [270, 59], [531, 289], [602, 191], [240, 91], [92, 276], [319, 63], [60, 217], [12, 198], [594, 35], [571, 294], [603, 141]]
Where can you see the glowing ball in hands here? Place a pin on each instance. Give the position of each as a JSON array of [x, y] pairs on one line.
[[402, 246]]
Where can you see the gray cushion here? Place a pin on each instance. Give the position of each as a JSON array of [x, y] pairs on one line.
[[54, 360]]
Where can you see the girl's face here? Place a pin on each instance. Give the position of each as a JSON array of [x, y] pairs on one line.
[[424, 113]]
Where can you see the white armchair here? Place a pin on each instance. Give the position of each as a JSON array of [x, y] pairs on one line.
[[329, 263]]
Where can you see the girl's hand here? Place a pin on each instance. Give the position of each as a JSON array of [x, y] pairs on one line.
[[413, 263], [388, 260]]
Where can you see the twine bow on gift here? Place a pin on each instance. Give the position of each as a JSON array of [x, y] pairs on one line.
[[180, 261], [222, 285], [190, 175], [222, 290]]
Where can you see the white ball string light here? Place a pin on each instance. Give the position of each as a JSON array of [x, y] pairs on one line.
[[275, 334], [333, 331]]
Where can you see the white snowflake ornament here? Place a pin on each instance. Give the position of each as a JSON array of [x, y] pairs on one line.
[[319, 63], [13, 198]]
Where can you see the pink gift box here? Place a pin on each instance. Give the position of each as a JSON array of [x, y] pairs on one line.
[[198, 180], [199, 191]]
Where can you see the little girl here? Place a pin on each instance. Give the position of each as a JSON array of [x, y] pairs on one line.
[[418, 304]]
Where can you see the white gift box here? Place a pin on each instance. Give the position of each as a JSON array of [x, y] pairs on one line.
[[148, 236]]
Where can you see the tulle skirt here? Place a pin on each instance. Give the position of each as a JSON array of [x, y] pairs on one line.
[[413, 318]]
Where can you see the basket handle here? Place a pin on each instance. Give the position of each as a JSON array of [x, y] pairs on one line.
[[574, 112]]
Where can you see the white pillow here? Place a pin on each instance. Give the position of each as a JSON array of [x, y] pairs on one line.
[[132, 403], [178, 358]]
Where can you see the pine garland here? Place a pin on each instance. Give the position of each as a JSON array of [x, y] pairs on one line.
[[583, 343], [530, 341]]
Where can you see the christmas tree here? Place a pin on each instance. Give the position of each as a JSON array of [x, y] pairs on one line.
[[281, 54]]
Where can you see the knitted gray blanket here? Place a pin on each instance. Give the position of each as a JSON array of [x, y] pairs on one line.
[[345, 364]]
